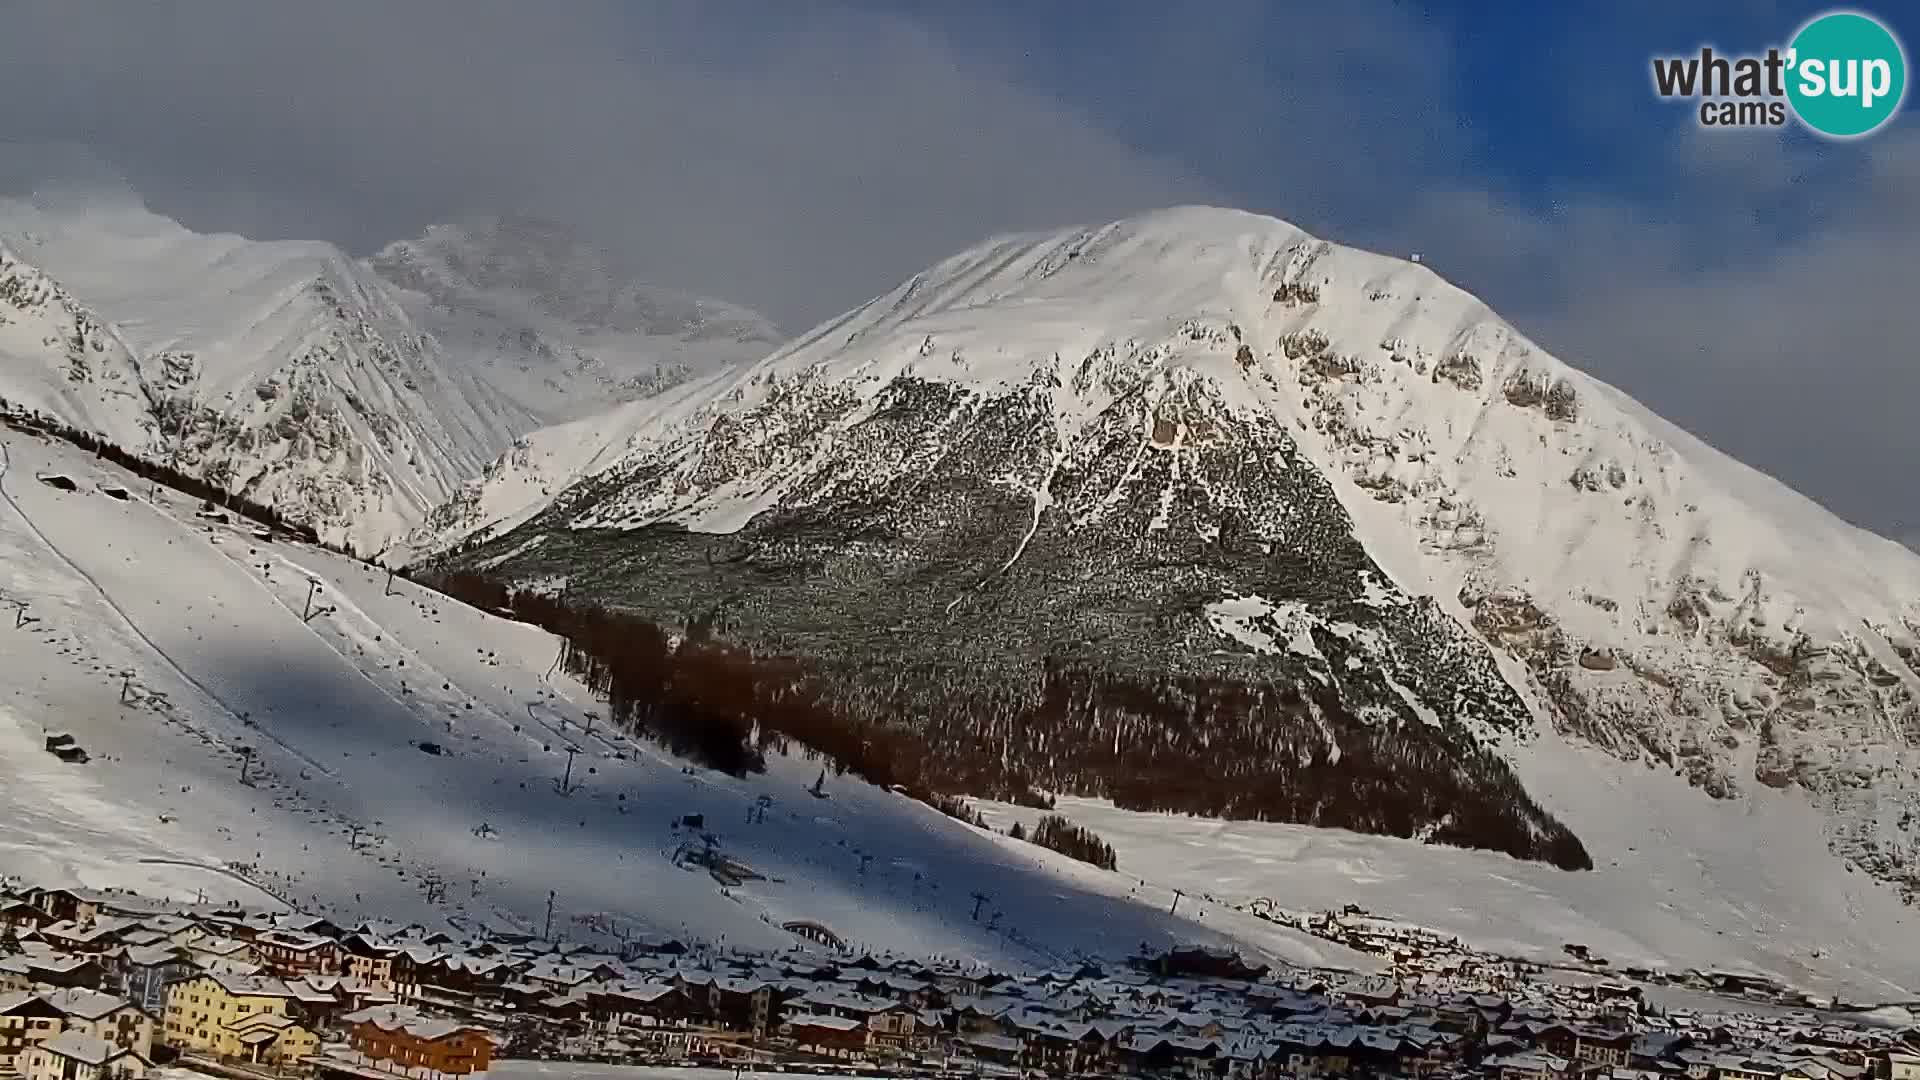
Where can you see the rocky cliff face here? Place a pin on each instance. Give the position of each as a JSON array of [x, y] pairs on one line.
[[60, 358]]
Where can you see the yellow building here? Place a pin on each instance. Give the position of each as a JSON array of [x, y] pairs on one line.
[[212, 1014], [273, 1039]]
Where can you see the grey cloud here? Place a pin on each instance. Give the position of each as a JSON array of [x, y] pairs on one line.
[[797, 164]]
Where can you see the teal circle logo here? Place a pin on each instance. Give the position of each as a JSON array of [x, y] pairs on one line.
[[1847, 74]]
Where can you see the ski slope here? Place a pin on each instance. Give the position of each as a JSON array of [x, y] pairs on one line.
[[171, 646]]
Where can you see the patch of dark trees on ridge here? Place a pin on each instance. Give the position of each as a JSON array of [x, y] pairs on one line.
[[956, 808], [1052, 831], [1202, 745], [36, 424], [1074, 841]]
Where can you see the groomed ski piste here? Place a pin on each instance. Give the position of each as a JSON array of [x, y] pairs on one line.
[[253, 737]]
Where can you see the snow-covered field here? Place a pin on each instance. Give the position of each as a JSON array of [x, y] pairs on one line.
[[1720, 886], [166, 644]]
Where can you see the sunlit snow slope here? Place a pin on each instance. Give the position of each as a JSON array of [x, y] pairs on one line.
[[169, 645], [1679, 883], [283, 371]]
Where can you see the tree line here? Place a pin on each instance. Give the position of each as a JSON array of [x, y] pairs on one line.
[[1074, 841], [954, 807]]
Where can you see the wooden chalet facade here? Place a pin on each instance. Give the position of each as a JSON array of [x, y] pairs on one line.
[[402, 1039]]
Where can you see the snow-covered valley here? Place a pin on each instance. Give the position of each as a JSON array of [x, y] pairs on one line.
[[1743, 887]]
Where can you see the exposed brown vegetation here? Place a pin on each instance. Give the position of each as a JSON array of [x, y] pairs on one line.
[[1460, 369]]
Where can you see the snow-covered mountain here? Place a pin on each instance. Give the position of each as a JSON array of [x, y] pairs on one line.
[[283, 371], [557, 324], [57, 358], [1202, 443]]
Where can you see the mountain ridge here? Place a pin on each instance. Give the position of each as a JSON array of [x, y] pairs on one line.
[[276, 370]]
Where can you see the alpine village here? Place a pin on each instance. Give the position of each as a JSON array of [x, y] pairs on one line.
[[102, 985]]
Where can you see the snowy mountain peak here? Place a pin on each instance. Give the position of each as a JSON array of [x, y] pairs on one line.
[[563, 276], [1330, 440], [559, 322]]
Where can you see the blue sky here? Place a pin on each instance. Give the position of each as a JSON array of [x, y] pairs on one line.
[[801, 158], [1538, 105]]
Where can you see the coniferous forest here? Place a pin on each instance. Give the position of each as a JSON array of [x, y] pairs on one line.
[[1074, 841], [1186, 744]]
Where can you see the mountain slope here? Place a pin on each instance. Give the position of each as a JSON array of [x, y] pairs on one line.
[[238, 736], [1207, 444], [59, 359], [556, 324], [281, 371], [543, 463]]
